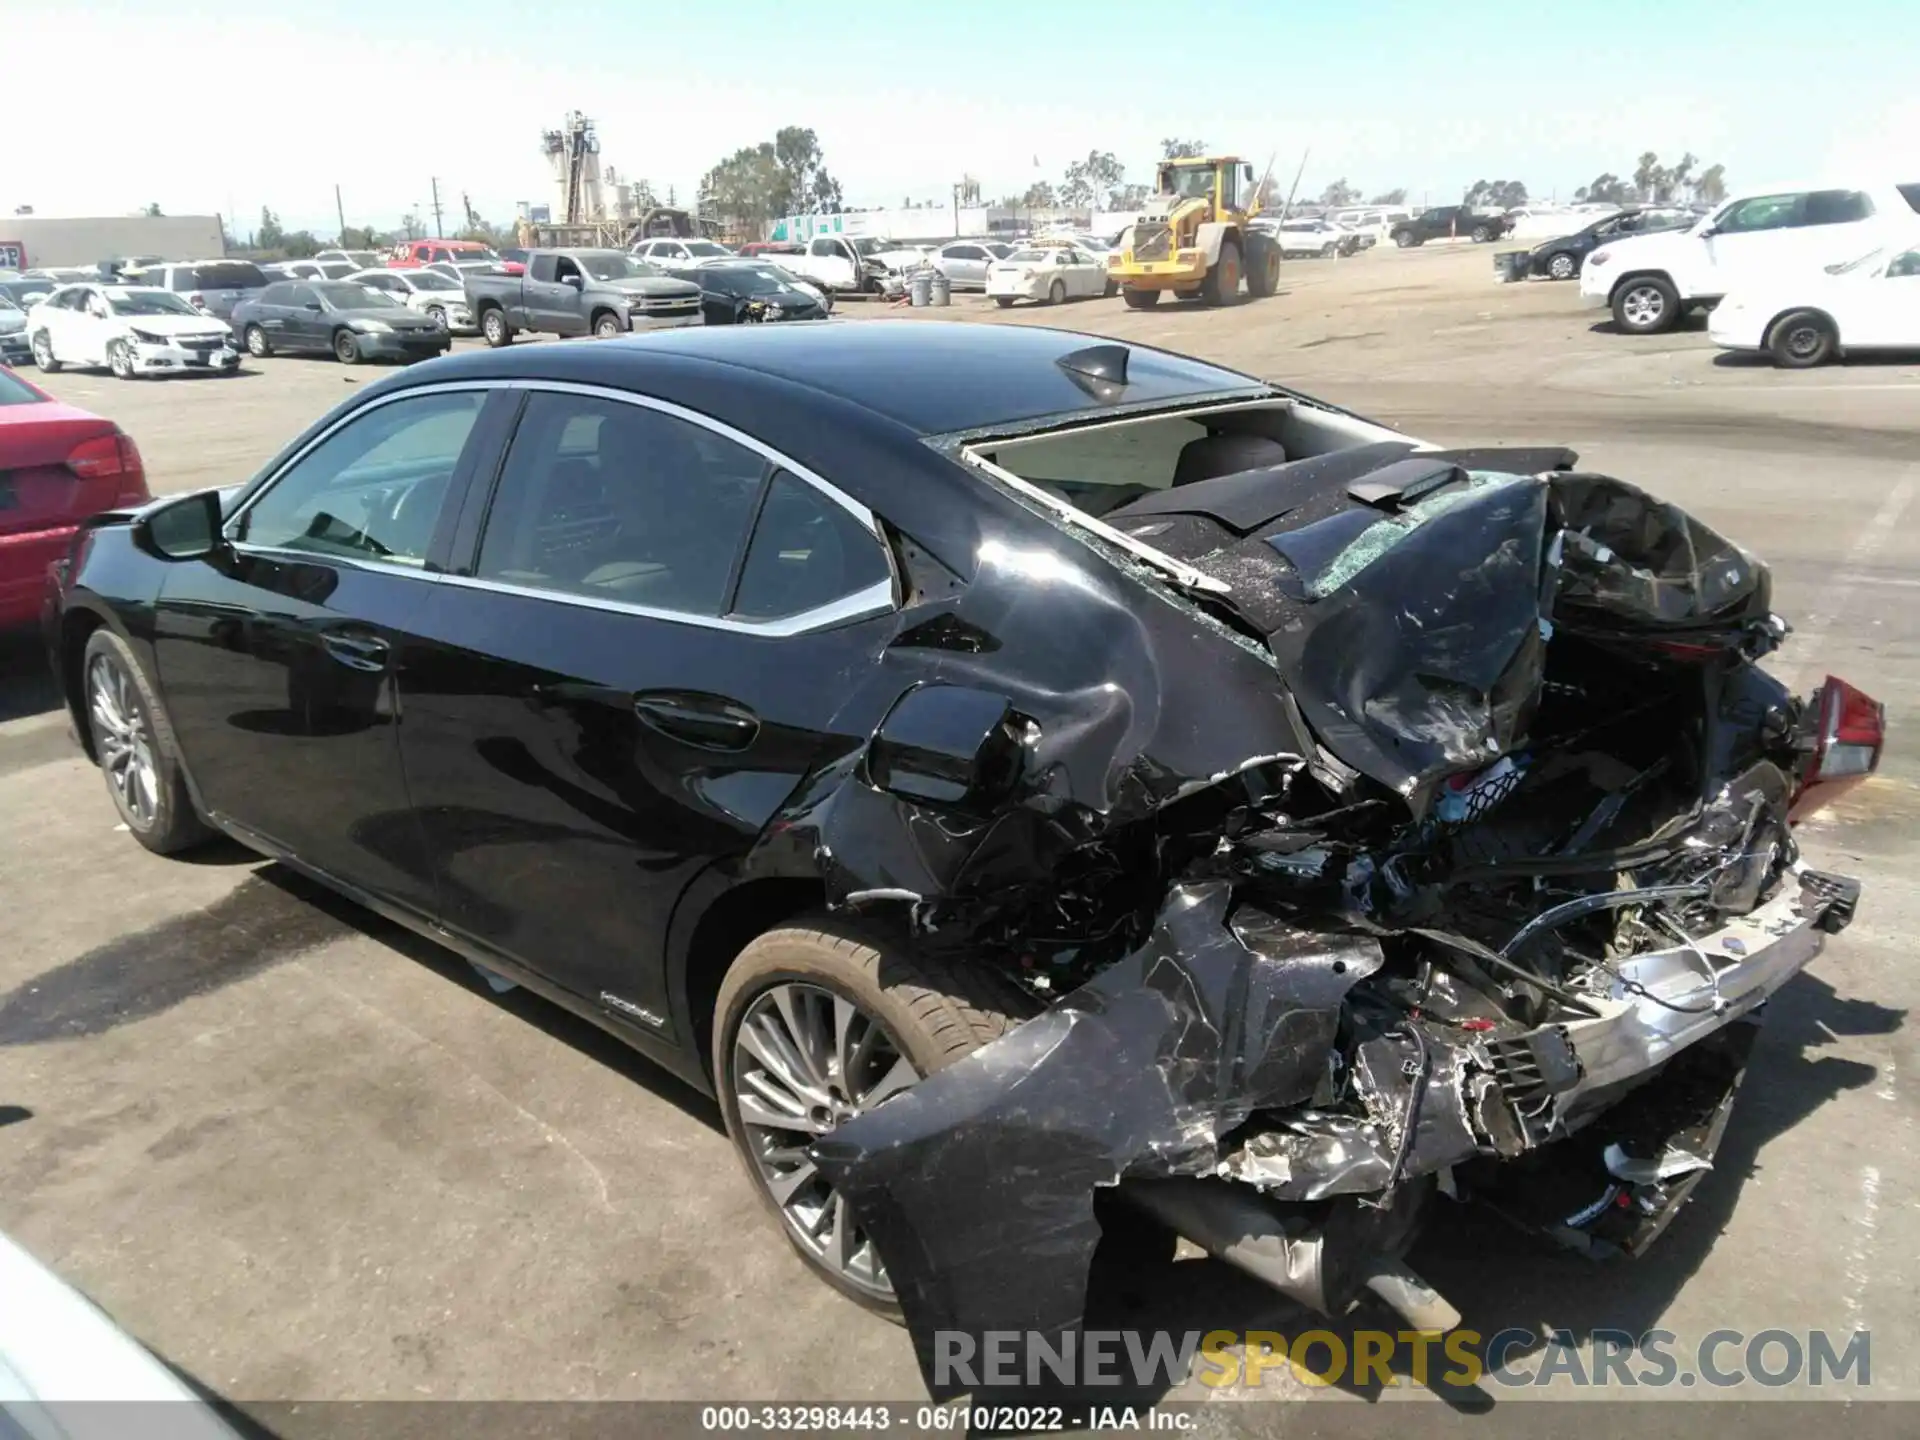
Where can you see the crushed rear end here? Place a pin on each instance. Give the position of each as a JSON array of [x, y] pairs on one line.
[[1498, 925]]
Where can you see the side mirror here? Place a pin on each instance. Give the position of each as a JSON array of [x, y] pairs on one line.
[[311, 305], [948, 745], [1707, 232], [573, 282], [183, 529]]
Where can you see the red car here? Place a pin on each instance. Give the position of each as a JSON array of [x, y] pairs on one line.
[[412, 254], [58, 466]]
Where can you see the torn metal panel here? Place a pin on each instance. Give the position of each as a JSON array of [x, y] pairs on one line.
[[1479, 1101], [977, 1185]]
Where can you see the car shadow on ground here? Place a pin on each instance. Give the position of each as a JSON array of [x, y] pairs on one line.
[[1860, 359], [1693, 322], [273, 916], [1504, 1280]]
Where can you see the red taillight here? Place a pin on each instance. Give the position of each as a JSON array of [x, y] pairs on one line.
[[1849, 732], [113, 457]]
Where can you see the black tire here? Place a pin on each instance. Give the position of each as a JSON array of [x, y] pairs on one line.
[[1326, 251], [494, 328], [1140, 299], [173, 825], [43, 354], [1802, 339], [1481, 234], [1056, 292], [606, 325], [1563, 266], [1404, 239], [120, 361], [1646, 305], [1222, 285], [1005, 302], [1263, 266], [346, 349], [934, 1011], [258, 345]]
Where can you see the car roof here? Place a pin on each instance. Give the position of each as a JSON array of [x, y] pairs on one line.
[[934, 378]]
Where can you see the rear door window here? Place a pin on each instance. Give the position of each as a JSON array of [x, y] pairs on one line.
[[1837, 207], [618, 502], [807, 552]]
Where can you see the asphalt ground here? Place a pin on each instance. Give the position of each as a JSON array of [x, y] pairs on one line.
[[305, 1156]]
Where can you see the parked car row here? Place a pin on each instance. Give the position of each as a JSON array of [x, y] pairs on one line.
[[1803, 274]]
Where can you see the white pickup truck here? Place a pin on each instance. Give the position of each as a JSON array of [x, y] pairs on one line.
[[854, 263], [1651, 281]]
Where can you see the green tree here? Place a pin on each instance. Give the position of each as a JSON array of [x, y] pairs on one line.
[[1711, 185], [299, 245], [1182, 149], [1606, 188], [1340, 193], [1646, 175], [1039, 196], [1093, 178], [152, 212], [411, 227], [1500, 194], [359, 238], [269, 235], [1390, 197], [806, 185], [745, 191]]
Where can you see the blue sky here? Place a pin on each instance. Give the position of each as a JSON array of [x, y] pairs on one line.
[[1430, 96]]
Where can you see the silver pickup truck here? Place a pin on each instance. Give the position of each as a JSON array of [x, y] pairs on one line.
[[580, 292]]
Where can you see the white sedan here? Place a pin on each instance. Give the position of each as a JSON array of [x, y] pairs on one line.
[[133, 330], [1805, 318], [1047, 275], [440, 298]]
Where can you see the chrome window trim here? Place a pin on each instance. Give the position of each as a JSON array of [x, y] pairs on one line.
[[875, 599]]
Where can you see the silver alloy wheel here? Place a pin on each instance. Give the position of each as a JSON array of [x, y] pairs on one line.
[[124, 739], [1561, 267], [438, 315], [256, 342], [1643, 306], [120, 360], [805, 1060], [43, 350]]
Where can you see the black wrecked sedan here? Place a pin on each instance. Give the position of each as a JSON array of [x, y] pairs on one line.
[[337, 318], [1561, 257], [740, 292], [1058, 794]]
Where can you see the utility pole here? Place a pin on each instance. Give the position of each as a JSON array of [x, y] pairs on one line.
[[438, 232], [341, 211]]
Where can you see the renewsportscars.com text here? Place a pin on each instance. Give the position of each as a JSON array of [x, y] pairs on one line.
[[1615, 1359]]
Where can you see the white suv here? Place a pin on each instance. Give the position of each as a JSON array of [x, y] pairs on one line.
[[1651, 281]]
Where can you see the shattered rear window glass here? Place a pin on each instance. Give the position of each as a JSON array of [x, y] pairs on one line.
[[1329, 553]]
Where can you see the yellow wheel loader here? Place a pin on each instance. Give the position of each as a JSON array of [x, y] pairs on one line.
[[1194, 239]]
